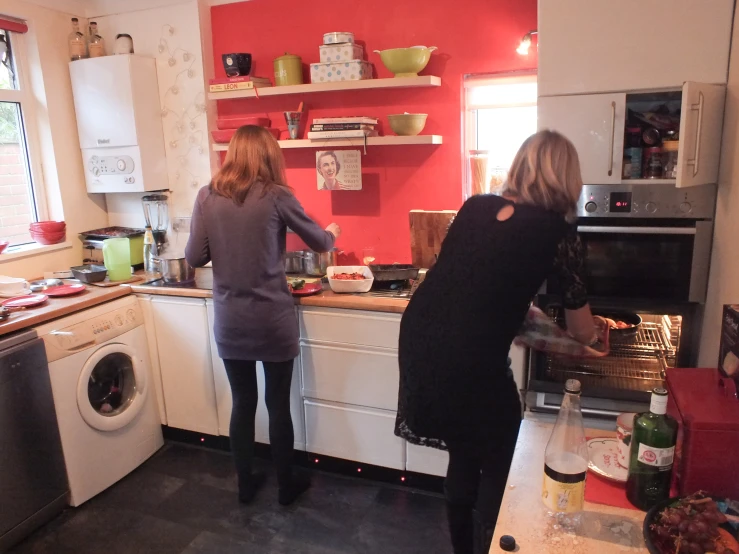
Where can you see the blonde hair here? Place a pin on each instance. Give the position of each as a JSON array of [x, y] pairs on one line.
[[253, 156], [546, 173]]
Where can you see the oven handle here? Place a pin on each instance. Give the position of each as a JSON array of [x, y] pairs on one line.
[[540, 403], [637, 230]]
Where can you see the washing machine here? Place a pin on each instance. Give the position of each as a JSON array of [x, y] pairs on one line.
[[104, 394]]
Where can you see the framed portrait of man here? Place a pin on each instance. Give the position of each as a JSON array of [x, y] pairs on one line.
[[339, 169]]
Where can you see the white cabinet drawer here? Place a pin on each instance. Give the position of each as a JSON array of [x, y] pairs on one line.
[[359, 434], [350, 327], [359, 376], [431, 461]]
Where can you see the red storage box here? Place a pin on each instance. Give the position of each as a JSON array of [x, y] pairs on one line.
[[235, 122], [705, 404]]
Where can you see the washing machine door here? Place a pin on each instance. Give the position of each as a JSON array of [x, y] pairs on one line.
[[111, 386]]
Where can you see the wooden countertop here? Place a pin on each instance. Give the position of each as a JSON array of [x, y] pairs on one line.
[[59, 307], [605, 529]]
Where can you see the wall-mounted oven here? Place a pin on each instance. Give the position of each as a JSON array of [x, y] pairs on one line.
[[647, 250]]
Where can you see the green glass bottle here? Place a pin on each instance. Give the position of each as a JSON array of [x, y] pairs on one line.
[[652, 453]]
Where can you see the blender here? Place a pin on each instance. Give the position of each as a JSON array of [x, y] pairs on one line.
[[156, 212]]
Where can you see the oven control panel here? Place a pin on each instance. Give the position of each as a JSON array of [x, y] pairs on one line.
[[647, 201]]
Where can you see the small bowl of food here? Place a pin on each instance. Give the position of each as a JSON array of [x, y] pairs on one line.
[[350, 278]]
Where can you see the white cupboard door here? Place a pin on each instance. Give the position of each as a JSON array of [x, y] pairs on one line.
[[184, 356], [151, 338], [701, 123], [595, 125], [422, 459]]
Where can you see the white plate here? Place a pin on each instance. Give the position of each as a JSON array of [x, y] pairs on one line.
[[603, 453]]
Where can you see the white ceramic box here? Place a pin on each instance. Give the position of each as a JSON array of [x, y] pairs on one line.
[[346, 52], [355, 70]]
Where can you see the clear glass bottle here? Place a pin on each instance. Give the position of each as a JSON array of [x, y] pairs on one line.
[[653, 443], [566, 461], [77, 42], [97, 43], [150, 250]]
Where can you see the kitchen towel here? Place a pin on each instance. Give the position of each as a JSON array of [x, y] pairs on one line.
[[541, 332]]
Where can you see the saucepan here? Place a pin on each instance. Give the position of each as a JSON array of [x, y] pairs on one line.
[[630, 319], [316, 264], [175, 270]]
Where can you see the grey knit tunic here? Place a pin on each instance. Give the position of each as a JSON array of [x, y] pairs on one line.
[[254, 312]]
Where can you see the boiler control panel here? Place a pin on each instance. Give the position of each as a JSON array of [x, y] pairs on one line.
[[647, 201]]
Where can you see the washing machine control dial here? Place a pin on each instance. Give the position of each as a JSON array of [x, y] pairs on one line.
[[118, 320], [131, 316]]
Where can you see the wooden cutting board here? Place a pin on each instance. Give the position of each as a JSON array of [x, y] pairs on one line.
[[428, 230]]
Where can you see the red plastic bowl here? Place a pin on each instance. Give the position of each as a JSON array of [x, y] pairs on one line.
[[49, 238], [48, 226], [228, 123], [3, 245]]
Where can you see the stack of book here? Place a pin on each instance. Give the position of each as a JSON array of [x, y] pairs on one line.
[[238, 83], [343, 127]]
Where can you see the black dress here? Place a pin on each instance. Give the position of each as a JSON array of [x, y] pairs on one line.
[[455, 383]]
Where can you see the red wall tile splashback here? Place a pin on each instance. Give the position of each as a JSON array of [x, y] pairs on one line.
[[473, 36]]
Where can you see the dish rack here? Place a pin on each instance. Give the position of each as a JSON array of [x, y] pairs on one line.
[[634, 363]]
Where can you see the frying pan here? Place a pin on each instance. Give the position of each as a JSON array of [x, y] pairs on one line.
[[393, 272], [631, 318]]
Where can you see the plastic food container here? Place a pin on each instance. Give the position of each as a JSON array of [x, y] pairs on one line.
[[227, 123], [336, 38], [341, 286]]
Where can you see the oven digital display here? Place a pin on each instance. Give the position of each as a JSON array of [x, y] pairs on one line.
[[620, 202]]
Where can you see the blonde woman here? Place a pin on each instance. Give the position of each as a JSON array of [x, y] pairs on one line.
[[239, 223], [456, 389]]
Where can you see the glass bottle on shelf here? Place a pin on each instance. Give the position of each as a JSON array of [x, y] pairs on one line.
[[478, 172], [97, 43], [566, 461], [77, 42]]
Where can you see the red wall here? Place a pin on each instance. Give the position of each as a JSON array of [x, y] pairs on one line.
[[473, 36]]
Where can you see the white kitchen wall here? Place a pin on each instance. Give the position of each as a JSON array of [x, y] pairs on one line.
[[172, 35], [723, 284]]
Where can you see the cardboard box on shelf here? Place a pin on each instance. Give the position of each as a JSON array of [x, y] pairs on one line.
[[728, 361]]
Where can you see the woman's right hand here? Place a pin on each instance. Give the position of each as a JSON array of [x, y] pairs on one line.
[[334, 229]]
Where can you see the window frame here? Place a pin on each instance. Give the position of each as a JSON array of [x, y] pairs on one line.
[[25, 99]]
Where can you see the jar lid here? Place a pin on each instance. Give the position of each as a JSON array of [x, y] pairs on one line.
[[288, 57], [626, 421], [671, 145]]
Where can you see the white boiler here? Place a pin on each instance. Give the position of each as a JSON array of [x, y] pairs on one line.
[[120, 125]]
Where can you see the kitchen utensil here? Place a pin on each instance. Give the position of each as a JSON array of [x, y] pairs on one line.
[[176, 270], [65, 290], [28, 301], [117, 256], [237, 65], [346, 286], [90, 273], [428, 230], [224, 123], [48, 226], [603, 455], [293, 123], [13, 286], [406, 62], [156, 212], [631, 318], [288, 70], [45, 284], [47, 236], [407, 124], [393, 272], [317, 264], [308, 289], [294, 262], [3, 245], [624, 428], [338, 38]]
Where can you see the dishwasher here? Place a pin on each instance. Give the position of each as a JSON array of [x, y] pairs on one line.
[[33, 479]]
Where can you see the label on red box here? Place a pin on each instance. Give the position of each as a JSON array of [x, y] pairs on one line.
[[728, 361]]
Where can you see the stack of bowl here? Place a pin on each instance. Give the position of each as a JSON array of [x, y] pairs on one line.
[[48, 232]]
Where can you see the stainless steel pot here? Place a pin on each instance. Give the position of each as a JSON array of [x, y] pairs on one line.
[[175, 270], [294, 262], [316, 264]]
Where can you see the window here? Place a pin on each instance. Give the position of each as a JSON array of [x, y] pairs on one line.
[[500, 114], [20, 201]]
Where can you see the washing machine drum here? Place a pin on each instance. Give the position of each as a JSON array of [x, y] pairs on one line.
[[111, 388]]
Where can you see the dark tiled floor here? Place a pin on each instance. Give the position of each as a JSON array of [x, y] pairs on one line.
[[183, 501]]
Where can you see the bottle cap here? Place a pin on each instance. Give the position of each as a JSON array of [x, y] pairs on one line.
[[572, 386], [507, 543]]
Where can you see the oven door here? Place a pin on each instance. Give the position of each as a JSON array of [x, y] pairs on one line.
[[646, 259]]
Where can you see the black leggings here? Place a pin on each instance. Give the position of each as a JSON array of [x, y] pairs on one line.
[[242, 376]]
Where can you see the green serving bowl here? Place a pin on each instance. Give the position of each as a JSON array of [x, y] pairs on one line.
[[407, 124], [406, 62]]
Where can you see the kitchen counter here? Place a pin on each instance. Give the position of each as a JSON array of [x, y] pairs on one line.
[[58, 307], [605, 529]]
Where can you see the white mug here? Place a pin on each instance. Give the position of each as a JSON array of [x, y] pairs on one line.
[[13, 286]]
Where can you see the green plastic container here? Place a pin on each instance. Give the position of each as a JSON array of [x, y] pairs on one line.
[[117, 258]]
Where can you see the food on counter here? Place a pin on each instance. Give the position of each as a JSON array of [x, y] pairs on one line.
[[618, 324], [295, 284], [691, 525], [355, 276]]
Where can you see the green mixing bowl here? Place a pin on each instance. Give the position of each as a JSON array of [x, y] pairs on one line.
[[407, 124], [406, 62]]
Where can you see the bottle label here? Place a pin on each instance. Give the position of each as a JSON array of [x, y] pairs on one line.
[[656, 457], [563, 492], [96, 50], [658, 405], [77, 49]]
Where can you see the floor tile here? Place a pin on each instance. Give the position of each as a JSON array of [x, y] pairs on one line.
[[212, 543]]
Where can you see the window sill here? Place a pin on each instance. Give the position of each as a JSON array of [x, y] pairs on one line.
[[29, 250]]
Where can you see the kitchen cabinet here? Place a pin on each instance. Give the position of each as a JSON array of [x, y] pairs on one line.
[[596, 125], [181, 326], [591, 47], [422, 459], [151, 339], [224, 400]]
